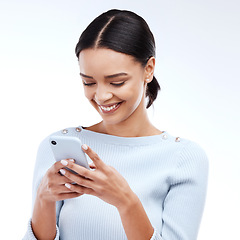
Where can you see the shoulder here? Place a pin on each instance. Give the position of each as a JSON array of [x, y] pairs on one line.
[[186, 146], [189, 153], [193, 152], [191, 163], [70, 131]]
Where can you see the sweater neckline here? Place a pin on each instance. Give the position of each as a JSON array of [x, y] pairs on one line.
[[112, 139]]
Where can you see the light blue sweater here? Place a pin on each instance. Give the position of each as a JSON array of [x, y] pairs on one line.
[[169, 176]]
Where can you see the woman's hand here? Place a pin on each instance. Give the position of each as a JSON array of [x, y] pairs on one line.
[[52, 187], [104, 182]]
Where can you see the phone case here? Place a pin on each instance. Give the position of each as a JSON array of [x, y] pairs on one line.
[[65, 147]]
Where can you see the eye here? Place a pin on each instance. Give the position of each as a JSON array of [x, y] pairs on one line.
[[88, 84], [118, 84]]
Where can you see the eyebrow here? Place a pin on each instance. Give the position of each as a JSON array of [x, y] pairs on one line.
[[107, 77]]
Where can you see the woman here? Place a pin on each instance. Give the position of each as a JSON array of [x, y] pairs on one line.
[[145, 183]]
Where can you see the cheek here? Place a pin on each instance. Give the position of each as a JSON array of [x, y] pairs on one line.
[[134, 92], [88, 93]]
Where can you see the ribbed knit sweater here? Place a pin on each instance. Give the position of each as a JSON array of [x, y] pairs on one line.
[[168, 174]]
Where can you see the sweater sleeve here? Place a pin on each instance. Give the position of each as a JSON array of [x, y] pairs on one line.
[[44, 161], [184, 203]]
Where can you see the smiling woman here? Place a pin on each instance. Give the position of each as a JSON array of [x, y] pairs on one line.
[[143, 183], [124, 33], [115, 83]]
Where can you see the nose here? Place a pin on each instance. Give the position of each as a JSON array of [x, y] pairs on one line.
[[102, 94]]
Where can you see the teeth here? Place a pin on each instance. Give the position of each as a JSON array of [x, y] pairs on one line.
[[108, 108]]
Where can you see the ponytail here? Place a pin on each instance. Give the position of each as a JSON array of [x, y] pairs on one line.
[[152, 91]]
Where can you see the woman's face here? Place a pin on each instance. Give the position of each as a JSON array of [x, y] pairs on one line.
[[113, 83]]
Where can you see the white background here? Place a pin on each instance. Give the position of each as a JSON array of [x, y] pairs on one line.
[[197, 68]]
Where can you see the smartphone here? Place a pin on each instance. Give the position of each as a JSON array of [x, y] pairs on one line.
[[65, 147]]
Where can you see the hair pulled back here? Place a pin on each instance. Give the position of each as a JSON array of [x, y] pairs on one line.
[[126, 32]]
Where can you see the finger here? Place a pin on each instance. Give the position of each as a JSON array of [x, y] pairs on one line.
[[57, 165], [64, 179], [64, 196], [80, 180], [95, 158], [76, 168], [79, 189], [60, 179], [62, 189]]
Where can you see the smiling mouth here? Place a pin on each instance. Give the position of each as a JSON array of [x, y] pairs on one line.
[[110, 109]]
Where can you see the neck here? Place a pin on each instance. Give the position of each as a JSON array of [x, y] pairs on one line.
[[128, 130]]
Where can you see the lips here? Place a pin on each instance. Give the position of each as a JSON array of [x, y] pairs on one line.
[[109, 108]]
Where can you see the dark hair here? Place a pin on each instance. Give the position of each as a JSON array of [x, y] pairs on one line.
[[122, 31]]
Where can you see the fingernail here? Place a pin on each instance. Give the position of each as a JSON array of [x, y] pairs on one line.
[[64, 162], [85, 147], [67, 185], [71, 160], [62, 171]]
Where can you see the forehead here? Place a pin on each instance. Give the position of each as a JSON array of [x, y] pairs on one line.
[[106, 61]]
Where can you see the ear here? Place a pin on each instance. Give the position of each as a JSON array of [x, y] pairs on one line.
[[149, 70]]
